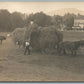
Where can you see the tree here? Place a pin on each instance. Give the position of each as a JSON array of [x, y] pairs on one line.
[[5, 22], [68, 20], [41, 19], [17, 20], [10, 21], [57, 21]]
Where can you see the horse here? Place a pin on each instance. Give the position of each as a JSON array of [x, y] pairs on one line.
[[19, 43], [2, 38], [70, 47]]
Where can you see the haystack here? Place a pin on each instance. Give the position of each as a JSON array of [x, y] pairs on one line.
[[18, 34], [45, 38]]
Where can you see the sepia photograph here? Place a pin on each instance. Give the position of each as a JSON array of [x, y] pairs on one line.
[[41, 41]]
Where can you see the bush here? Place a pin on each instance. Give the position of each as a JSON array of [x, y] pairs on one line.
[[45, 39]]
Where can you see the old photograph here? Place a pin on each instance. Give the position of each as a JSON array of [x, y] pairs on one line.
[[41, 41]]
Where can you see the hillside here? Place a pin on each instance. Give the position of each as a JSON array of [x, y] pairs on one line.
[[65, 11]]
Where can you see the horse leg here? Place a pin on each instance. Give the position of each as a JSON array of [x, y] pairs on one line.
[[19, 46], [72, 52], [75, 53], [58, 48], [1, 41], [60, 52], [42, 50], [64, 51]]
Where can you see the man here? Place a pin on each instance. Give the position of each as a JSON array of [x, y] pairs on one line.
[[27, 50], [18, 43]]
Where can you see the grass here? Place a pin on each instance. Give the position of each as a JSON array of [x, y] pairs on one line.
[[73, 36], [41, 67], [48, 67]]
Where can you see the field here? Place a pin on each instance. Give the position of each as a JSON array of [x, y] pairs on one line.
[[73, 36], [15, 66]]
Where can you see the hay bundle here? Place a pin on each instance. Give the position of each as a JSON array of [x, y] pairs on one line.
[[29, 29], [45, 38], [34, 40], [18, 34]]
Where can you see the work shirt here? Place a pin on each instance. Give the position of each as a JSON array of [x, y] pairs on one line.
[[26, 43]]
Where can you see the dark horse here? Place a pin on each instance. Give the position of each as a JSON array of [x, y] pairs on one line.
[[70, 46], [2, 38]]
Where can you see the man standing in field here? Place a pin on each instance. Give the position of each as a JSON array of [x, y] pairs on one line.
[[27, 50]]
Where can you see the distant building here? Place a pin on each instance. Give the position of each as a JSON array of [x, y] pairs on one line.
[[78, 24]]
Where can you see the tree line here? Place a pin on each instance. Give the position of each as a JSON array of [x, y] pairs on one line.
[[10, 21]]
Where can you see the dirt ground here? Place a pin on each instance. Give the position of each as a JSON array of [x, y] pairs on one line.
[[15, 66]]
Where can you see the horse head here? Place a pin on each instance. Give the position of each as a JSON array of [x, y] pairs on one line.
[[4, 38]]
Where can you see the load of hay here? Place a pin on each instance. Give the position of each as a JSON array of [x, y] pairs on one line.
[[18, 34], [29, 29], [23, 34], [45, 39]]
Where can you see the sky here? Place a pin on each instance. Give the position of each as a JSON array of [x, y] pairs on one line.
[[32, 7]]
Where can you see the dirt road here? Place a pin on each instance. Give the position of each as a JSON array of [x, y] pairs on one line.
[[14, 66]]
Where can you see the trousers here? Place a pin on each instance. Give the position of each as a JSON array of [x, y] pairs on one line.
[[27, 50]]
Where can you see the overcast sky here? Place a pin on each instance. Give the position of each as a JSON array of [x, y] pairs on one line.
[[29, 7]]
